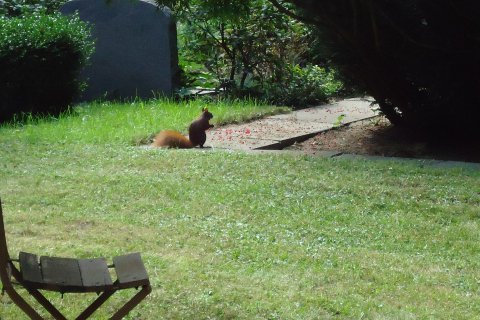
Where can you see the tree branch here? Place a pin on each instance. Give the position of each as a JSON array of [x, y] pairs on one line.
[[291, 14]]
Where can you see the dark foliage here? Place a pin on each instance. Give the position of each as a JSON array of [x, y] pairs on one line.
[[420, 59], [40, 58]]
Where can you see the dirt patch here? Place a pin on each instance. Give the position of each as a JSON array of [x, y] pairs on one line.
[[378, 137]]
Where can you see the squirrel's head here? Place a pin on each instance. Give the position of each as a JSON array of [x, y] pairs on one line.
[[206, 113]]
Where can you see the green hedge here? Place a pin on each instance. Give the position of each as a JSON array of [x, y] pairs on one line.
[[309, 85], [40, 60]]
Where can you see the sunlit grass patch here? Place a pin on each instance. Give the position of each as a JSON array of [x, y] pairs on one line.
[[130, 123]]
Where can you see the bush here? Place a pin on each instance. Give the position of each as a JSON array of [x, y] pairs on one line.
[[304, 86], [14, 8], [419, 59], [40, 59]]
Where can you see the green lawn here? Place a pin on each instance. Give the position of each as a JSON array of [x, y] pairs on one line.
[[229, 235]]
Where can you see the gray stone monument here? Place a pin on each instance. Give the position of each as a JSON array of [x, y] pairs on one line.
[[135, 51]]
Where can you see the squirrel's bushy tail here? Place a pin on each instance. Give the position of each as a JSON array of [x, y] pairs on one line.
[[171, 139]]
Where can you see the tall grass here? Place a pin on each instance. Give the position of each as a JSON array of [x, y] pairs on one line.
[[129, 123]]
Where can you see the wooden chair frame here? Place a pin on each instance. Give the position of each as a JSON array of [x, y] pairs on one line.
[[55, 274]]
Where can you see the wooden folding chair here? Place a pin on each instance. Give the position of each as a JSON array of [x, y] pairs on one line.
[[66, 275]]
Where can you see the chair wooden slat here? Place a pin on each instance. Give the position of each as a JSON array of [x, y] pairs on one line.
[[94, 273], [63, 272], [30, 268], [130, 269]]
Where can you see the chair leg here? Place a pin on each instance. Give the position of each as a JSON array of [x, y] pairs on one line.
[[95, 305], [132, 303], [19, 301], [46, 304], [22, 304], [122, 312]]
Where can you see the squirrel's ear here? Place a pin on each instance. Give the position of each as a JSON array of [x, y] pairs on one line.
[[204, 109]]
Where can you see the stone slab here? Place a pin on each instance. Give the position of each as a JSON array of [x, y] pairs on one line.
[[271, 129], [417, 161], [455, 164], [320, 154], [277, 132], [135, 49], [349, 110], [235, 144]]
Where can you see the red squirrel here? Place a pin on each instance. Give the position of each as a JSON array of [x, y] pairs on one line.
[[196, 134]]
